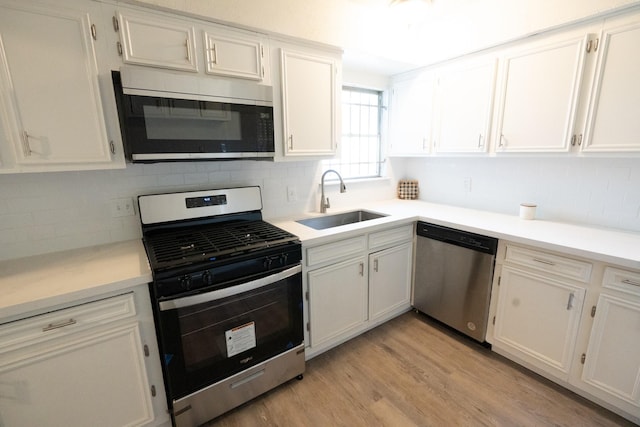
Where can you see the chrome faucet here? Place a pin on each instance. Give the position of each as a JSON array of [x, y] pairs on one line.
[[324, 203]]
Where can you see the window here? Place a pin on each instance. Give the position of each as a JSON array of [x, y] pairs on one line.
[[360, 150]]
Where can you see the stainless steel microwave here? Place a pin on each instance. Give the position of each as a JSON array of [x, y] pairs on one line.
[[171, 117]]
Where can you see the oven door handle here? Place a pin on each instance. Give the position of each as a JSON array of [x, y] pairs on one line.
[[230, 291]]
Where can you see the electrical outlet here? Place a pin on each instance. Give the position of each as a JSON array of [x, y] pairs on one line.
[[122, 207], [467, 184], [292, 194]]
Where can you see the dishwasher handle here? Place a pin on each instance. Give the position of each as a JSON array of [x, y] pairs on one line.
[[465, 239]]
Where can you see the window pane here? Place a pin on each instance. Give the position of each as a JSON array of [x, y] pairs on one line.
[[360, 142]]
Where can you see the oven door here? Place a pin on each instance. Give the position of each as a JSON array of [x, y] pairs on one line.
[[210, 336]]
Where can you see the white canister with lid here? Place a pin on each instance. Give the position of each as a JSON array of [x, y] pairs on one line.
[[527, 210]]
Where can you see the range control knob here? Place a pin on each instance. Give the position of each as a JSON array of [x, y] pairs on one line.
[[283, 259], [267, 263], [185, 282], [207, 278]]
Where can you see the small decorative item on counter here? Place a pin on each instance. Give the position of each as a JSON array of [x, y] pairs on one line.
[[408, 189], [527, 210]]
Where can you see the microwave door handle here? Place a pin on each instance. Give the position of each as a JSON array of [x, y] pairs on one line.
[[230, 291]]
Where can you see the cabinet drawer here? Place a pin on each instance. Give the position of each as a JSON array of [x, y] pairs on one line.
[[336, 251], [390, 237], [622, 280], [543, 261], [66, 321]]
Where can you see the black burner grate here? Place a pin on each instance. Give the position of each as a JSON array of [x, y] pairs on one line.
[[182, 246]]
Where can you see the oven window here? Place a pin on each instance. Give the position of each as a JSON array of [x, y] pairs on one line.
[[221, 329]]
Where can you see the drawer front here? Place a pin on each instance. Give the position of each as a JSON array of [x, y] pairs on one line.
[[549, 263], [622, 280], [335, 251], [391, 237], [67, 321]]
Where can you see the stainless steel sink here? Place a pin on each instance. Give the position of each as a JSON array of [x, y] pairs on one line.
[[336, 220]]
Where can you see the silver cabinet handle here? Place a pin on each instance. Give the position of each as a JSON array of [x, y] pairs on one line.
[[375, 265], [291, 142], [544, 261], [26, 148], [214, 54], [502, 141], [186, 43], [631, 282], [480, 144], [59, 325], [424, 143], [570, 302], [362, 268]]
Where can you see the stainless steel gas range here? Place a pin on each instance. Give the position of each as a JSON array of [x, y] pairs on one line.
[[227, 296]]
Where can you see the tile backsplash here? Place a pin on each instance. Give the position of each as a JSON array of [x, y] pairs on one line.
[[602, 192], [46, 212]]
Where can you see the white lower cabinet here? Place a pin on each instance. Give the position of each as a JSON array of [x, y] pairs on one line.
[[537, 318], [355, 284], [389, 280], [337, 300], [539, 321], [80, 366]]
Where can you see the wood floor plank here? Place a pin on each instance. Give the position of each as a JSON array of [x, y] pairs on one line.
[[412, 371]]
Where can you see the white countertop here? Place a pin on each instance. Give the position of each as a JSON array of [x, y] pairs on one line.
[[612, 246], [42, 281], [36, 283]]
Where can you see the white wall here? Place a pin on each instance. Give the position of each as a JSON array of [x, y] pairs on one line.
[[600, 192]]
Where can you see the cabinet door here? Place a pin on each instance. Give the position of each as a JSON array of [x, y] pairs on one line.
[[614, 106], [309, 103], [90, 379], [464, 102], [389, 281], [411, 116], [537, 319], [337, 300], [50, 103], [234, 57], [158, 42], [612, 364], [539, 97]]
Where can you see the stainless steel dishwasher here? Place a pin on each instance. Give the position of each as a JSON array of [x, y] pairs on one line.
[[453, 275]]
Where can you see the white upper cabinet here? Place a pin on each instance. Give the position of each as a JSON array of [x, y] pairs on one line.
[[614, 104], [234, 57], [157, 41], [51, 111], [540, 86], [411, 116], [464, 103], [310, 102]]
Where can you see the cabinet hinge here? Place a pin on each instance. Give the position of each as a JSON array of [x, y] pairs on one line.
[[116, 24], [146, 350], [119, 47], [593, 311], [94, 32], [153, 390], [494, 320], [112, 147], [583, 358]]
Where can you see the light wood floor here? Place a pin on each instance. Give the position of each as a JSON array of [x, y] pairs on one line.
[[413, 372]]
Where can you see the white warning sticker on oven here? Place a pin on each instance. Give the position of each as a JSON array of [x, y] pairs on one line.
[[240, 338]]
